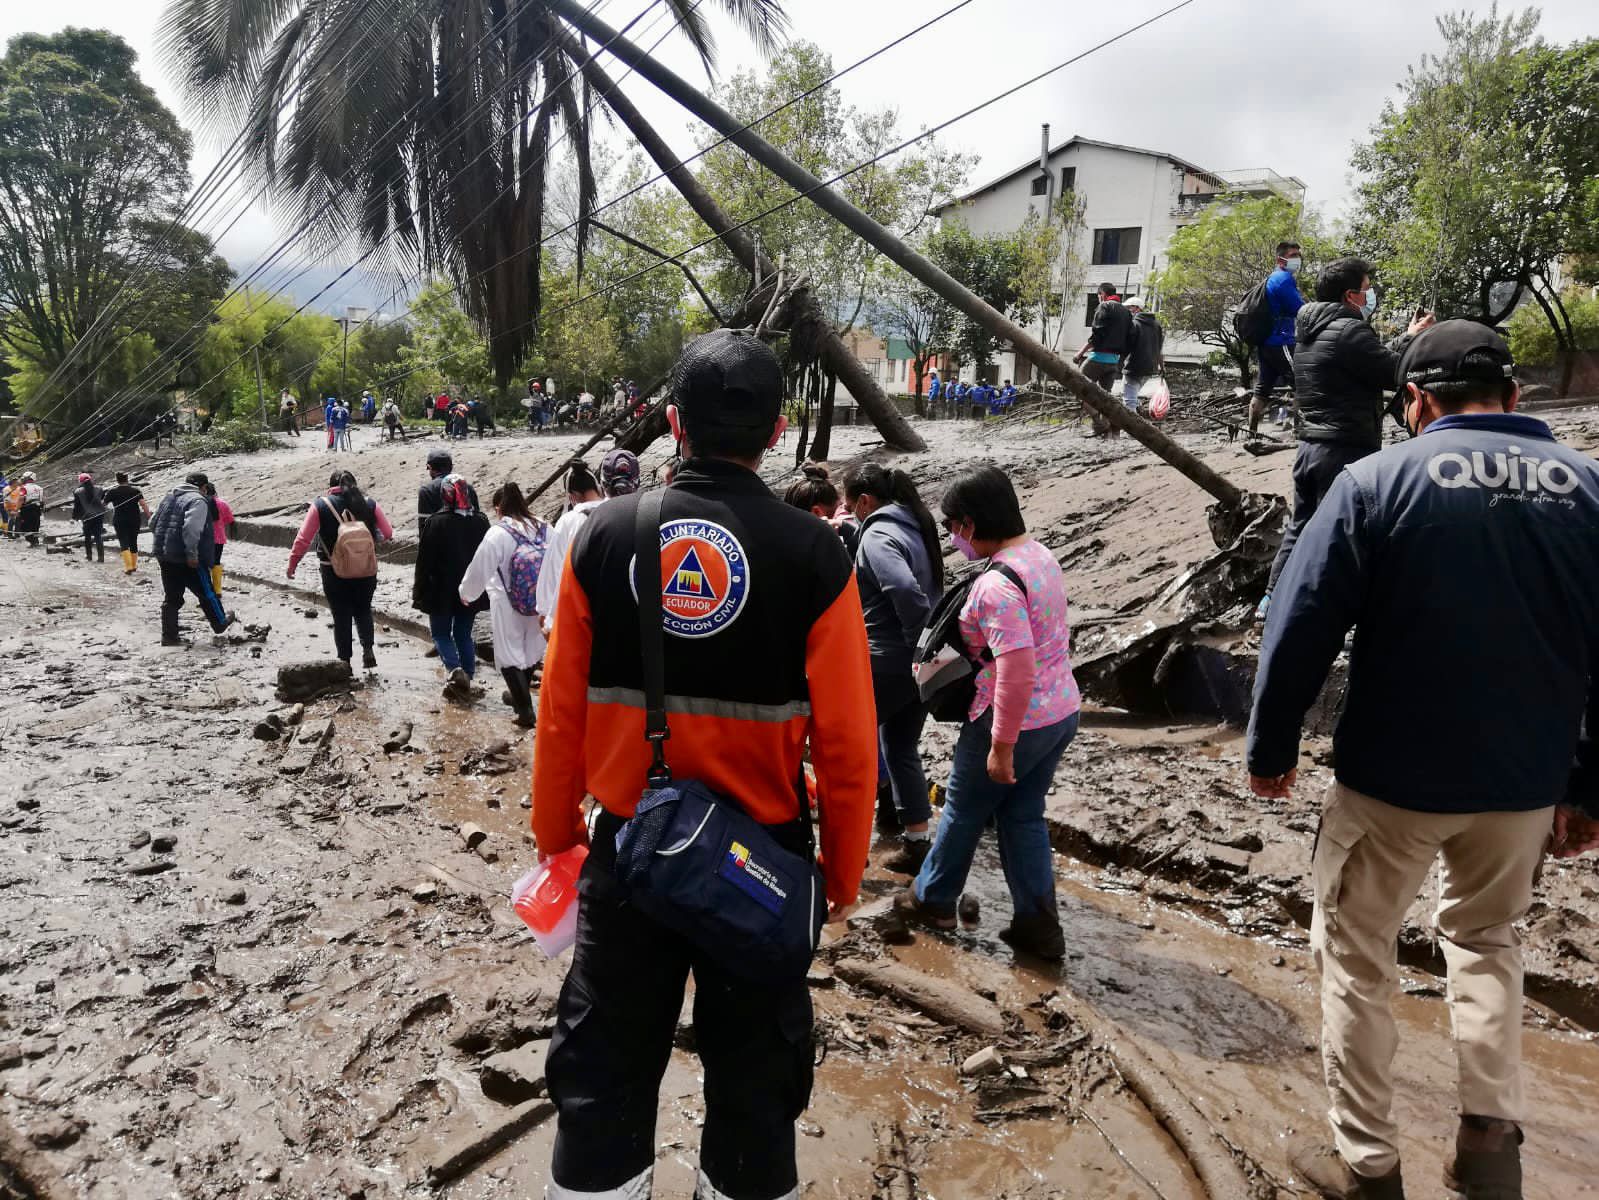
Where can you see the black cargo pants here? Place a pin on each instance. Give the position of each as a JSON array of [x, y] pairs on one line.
[[615, 1023], [1317, 466]]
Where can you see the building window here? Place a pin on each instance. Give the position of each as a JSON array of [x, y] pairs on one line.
[[1041, 185], [1115, 247], [1068, 180]]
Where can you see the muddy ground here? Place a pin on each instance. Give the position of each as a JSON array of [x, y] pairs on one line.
[[234, 967]]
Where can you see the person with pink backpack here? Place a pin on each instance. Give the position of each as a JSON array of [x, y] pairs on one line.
[[345, 527], [506, 568]]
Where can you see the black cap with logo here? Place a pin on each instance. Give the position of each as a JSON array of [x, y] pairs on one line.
[[1440, 355], [728, 379]]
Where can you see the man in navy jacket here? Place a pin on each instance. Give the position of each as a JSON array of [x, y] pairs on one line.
[[1467, 561]]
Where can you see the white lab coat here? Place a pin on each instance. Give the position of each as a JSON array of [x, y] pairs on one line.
[[555, 551], [518, 639]]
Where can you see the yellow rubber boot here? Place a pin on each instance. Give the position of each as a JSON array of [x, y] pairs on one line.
[[133, 561], [127, 567], [216, 579]]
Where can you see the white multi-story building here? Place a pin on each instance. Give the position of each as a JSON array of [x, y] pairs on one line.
[[1133, 201]]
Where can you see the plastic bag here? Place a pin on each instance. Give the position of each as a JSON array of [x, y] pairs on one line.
[[1160, 401]]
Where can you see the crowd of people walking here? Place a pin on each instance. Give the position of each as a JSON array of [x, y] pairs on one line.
[[764, 669]]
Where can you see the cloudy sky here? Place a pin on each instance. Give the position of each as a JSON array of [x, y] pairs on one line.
[[1230, 84]]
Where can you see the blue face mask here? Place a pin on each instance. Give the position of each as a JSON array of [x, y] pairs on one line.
[[1370, 305], [1293, 265]]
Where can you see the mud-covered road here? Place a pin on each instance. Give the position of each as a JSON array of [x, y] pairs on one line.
[[232, 967]]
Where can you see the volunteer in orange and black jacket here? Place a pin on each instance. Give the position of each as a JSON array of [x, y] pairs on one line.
[[766, 651]]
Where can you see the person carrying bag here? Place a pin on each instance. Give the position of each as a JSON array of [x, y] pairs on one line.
[[706, 636], [697, 862]]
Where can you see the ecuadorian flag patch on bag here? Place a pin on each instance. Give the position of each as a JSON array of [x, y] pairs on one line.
[[754, 880]]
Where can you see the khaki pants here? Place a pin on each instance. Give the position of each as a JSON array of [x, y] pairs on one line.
[[1371, 860]]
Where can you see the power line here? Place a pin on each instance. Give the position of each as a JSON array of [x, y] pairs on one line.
[[190, 205], [292, 98], [122, 400], [860, 166], [914, 31]]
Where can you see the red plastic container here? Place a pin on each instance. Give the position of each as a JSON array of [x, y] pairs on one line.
[[546, 900]]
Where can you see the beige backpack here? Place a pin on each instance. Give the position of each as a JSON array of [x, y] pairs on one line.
[[355, 553]]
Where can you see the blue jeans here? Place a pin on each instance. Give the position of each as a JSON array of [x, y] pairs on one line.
[[1016, 808], [452, 634]]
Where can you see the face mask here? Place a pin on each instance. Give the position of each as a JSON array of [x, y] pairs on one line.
[[968, 551], [1293, 265], [1370, 306]]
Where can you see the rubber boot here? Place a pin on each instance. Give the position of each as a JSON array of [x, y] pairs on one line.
[[123, 555], [1036, 933], [169, 626], [516, 682], [216, 579], [88, 550], [133, 561], [1487, 1162], [99, 551]]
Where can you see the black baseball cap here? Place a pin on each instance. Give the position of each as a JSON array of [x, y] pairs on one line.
[[440, 459], [728, 379], [1440, 354]]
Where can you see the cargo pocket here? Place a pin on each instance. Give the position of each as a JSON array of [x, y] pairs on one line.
[[1336, 838]]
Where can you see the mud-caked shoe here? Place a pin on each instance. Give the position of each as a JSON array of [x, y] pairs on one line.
[[908, 858], [459, 689], [1487, 1161], [1038, 934], [1320, 1165], [913, 910], [368, 658]]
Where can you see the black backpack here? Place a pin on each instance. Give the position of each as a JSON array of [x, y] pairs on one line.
[[1252, 320], [945, 672]]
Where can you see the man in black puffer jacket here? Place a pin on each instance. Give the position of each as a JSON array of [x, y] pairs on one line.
[[1340, 373]]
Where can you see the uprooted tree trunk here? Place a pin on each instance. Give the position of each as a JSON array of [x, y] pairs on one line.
[[1232, 502], [803, 307]]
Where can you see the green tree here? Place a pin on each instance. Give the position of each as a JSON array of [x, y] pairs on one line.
[[439, 138], [1532, 338], [825, 136], [94, 167], [1228, 250], [1485, 172], [445, 349], [376, 361], [297, 351], [997, 267]]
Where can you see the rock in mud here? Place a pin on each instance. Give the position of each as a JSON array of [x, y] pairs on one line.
[[472, 835], [139, 840], [301, 682], [306, 749], [986, 1061], [163, 844], [514, 1076], [397, 738], [268, 729], [156, 867], [55, 1132]]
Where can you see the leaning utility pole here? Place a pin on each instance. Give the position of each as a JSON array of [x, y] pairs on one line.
[[896, 430], [927, 272]]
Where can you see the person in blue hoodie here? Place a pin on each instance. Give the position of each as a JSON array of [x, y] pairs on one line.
[[960, 391], [899, 568], [934, 391], [1465, 561], [1276, 354]]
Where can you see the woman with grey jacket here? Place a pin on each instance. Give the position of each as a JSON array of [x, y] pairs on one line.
[[899, 568]]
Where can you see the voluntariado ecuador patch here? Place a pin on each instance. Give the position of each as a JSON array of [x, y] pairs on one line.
[[705, 578]]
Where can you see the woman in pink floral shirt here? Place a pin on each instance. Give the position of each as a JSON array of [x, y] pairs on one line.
[[1022, 718]]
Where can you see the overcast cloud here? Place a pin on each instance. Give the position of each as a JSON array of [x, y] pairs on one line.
[[1285, 84]]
